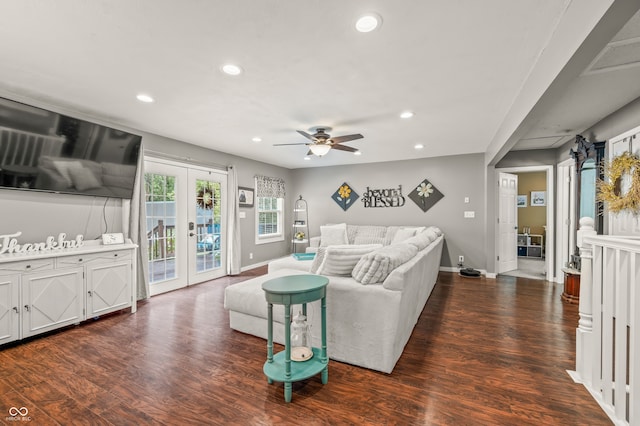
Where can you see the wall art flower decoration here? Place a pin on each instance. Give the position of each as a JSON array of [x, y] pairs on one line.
[[425, 195], [345, 196]]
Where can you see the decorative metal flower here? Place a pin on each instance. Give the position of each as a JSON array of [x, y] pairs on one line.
[[425, 189], [344, 191], [345, 196]]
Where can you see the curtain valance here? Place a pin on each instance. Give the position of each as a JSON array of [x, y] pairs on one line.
[[269, 187]]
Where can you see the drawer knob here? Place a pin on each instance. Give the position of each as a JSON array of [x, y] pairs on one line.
[[26, 308], [115, 254], [28, 266], [80, 260], [15, 309]]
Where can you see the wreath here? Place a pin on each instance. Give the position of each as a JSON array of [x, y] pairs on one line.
[[205, 197], [611, 192]]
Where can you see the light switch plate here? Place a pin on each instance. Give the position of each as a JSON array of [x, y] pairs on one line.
[[469, 214], [114, 238]]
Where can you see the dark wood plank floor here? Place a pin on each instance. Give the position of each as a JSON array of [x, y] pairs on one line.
[[484, 352]]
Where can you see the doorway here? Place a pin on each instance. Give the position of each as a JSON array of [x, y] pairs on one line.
[[185, 224], [534, 242]]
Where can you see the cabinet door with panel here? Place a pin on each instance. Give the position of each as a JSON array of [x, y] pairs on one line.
[[108, 287], [108, 279], [9, 308], [51, 299]]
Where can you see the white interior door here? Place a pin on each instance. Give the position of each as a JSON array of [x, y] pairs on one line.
[[185, 224], [507, 222]]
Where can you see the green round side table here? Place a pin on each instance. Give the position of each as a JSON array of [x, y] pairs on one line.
[[294, 290]]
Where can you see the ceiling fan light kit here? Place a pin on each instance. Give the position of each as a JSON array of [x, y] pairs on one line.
[[319, 150], [322, 142]]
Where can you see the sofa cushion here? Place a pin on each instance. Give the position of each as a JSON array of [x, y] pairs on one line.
[[423, 239], [403, 234], [370, 234], [374, 267], [340, 260], [331, 235]]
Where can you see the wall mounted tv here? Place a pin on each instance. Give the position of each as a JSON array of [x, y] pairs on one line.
[[42, 150]]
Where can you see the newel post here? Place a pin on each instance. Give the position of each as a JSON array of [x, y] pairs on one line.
[[584, 332]]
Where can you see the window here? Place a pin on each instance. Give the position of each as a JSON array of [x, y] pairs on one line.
[[269, 204], [269, 219]]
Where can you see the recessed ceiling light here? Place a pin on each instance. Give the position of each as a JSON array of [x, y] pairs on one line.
[[418, 146], [257, 139], [231, 69], [368, 22], [307, 158], [357, 153], [406, 114], [144, 98]]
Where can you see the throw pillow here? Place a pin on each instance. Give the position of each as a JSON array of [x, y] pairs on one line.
[[403, 234], [374, 267], [317, 260], [339, 260], [83, 178], [333, 235]]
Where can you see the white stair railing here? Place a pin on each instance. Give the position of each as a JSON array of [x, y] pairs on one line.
[[608, 333]]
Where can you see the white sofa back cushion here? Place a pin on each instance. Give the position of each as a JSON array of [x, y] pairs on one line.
[[332, 235], [403, 234], [374, 267], [340, 260]]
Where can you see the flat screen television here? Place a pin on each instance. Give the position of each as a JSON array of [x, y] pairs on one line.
[[42, 150]]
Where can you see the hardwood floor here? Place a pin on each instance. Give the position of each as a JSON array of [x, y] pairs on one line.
[[484, 352]]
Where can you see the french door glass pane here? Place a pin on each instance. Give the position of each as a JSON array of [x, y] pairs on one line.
[[161, 221], [208, 219]]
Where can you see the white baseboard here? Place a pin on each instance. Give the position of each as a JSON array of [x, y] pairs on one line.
[[456, 269], [255, 265]]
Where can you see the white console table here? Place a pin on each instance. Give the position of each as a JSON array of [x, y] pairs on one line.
[[40, 292]]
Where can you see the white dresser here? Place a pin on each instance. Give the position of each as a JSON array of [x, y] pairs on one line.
[[40, 292]]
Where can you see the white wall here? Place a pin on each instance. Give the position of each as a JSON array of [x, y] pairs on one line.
[[456, 177]]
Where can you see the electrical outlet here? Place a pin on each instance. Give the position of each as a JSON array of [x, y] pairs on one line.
[[460, 259], [250, 255]]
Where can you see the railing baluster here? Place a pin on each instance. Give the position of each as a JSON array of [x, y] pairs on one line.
[[608, 333]]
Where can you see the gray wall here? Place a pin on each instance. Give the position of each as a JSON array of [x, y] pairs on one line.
[[456, 177]]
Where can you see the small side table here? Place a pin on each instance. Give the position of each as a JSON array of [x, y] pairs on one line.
[[571, 291], [287, 291]]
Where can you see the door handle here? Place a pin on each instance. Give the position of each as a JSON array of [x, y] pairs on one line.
[[191, 234]]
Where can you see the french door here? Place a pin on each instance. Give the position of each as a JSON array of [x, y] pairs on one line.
[[185, 224]]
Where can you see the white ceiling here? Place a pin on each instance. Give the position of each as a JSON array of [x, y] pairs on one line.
[[459, 65]]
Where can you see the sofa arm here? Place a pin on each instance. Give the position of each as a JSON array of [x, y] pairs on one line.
[[314, 243]]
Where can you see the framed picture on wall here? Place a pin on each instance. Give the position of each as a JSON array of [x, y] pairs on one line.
[[245, 196], [538, 198], [522, 201]]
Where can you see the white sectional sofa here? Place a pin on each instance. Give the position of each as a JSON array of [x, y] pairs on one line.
[[372, 310]]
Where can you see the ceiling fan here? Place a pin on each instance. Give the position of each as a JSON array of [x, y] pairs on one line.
[[322, 142]]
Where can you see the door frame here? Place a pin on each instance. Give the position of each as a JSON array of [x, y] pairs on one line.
[[549, 243], [565, 239]]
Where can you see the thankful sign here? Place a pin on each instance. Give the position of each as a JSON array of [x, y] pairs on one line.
[[9, 243]]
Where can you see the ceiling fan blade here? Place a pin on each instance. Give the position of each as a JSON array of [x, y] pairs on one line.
[[346, 138], [307, 135], [283, 144], [344, 148]]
